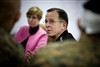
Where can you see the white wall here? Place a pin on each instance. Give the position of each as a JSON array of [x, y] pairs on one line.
[[72, 7]]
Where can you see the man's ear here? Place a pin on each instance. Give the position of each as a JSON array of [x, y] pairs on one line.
[[17, 17], [64, 25]]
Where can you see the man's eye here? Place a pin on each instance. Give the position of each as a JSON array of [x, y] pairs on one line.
[[45, 21], [51, 21]]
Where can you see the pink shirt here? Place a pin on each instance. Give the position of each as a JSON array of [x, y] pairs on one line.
[[36, 41]]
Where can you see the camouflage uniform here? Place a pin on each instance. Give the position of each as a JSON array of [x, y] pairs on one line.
[[11, 53], [85, 53]]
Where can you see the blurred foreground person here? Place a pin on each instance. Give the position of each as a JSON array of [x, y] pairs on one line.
[[11, 53], [84, 53]]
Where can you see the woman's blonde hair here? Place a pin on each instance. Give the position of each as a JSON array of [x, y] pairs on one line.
[[35, 11]]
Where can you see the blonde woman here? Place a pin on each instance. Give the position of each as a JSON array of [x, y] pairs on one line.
[[32, 37]]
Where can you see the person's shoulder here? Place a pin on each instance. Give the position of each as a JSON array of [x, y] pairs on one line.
[[59, 46], [25, 26], [41, 30], [8, 42], [59, 52], [67, 35], [43, 26], [64, 43]]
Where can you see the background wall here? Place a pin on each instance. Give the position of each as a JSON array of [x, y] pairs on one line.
[[72, 7]]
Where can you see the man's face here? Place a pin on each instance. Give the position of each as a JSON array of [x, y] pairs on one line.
[[53, 25]]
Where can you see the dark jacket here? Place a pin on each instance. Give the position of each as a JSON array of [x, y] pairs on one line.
[[64, 36]]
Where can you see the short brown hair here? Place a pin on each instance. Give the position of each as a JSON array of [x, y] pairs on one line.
[[62, 14], [35, 11]]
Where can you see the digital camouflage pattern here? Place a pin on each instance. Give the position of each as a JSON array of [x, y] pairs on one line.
[[11, 53], [85, 53]]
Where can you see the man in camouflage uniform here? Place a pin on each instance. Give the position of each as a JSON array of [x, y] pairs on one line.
[[84, 53], [11, 53]]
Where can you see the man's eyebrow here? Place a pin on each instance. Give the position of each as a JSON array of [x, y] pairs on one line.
[[51, 19]]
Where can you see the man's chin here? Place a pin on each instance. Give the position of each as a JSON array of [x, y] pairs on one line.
[[50, 35]]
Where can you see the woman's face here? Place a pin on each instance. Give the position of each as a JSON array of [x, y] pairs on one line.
[[33, 21]]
